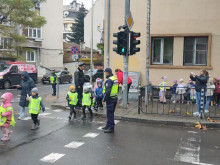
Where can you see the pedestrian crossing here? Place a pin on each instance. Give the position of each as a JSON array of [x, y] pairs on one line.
[[55, 156]]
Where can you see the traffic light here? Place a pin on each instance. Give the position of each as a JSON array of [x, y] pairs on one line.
[[121, 43], [134, 42]]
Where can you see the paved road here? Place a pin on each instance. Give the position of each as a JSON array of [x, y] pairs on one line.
[[83, 143]]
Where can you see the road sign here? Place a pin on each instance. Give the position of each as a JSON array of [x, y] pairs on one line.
[[129, 21], [75, 50]]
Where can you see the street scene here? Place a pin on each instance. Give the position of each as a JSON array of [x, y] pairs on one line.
[[109, 82]]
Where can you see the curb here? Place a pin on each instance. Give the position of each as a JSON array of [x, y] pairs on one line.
[[148, 121]]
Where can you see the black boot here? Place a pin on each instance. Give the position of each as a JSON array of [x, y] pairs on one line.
[[109, 130], [84, 117], [70, 117], [104, 128]]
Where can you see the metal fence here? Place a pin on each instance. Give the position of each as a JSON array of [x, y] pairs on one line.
[[179, 107]]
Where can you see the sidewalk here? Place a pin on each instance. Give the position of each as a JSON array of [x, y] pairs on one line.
[[131, 114]]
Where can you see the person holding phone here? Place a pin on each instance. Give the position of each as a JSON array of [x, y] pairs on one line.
[[200, 86]]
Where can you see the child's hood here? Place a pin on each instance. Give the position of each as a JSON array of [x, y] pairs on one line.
[[100, 81], [8, 97]]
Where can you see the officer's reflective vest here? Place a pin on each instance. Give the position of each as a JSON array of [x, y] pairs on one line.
[[114, 90], [86, 101], [73, 98], [34, 105], [3, 120], [162, 86], [52, 79]]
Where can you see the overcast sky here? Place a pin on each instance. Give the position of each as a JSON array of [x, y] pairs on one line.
[[87, 3]]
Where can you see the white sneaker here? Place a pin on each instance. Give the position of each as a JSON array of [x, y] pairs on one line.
[[196, 114], [19, 118], [206, 111]]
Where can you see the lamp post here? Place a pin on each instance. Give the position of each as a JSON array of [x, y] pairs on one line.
[[91, 44]]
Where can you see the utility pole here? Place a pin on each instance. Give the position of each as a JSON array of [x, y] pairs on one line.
[[147, 51], [91, 57], [125, 60]]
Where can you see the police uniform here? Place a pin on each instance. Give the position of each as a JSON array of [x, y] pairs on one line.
[[110, 97], [53, 81]]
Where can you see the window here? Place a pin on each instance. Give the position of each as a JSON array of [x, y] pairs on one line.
[[5, 43], [14, 69], [195, 50], [30, 56], [65, 26], [33, 32], [162, 51]]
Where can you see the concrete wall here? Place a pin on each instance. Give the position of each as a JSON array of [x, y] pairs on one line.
[[98, 19], [169, 18], [52, 45]]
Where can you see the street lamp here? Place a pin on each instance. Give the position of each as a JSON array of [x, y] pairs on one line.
[[91, 57]]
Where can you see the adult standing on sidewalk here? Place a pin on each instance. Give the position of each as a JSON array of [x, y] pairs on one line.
[[201, 81], [79, 80], [110, 97], [53, 81], [27, 84], [119, 74]]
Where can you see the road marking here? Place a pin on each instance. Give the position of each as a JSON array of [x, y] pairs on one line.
[[47, 108], [192, 132], [189, 149], [19, 95], [58, 110], [99, 122], [26, 118], [91, 135], [53, 157], [44, 114], [117, 121], [100, 128], [74, 144]]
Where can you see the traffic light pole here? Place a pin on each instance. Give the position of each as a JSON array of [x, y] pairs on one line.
[[125, 58]]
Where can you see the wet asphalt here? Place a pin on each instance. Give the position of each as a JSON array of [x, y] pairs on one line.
[[132, 143]]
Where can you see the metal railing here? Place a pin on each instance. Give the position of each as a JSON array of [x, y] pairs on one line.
[[176, 107]]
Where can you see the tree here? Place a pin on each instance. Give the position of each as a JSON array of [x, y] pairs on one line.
[[78, 27], [15, 15]]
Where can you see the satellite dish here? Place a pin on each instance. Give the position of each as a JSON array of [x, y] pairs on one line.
[[66, 13]]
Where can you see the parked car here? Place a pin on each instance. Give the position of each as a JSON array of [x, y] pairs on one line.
[[97, 73], [63, 77], [10, 73]]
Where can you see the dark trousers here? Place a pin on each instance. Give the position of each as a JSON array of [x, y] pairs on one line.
[[54, 86], [84, 110], [34, 118], [111, 105], [80, 92], [98, 103], [72, 110]]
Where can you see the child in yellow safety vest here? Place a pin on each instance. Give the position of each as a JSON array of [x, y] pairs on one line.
[[35, 106], [6, 115], [72, 98], [87, 102], [162, 87]]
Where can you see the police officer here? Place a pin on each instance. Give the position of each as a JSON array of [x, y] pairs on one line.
[[79, 81], [110, 97], [53, 81]]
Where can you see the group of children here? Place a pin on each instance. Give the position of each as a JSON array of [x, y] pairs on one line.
[[91, 98], [36, 105], [7, 113]]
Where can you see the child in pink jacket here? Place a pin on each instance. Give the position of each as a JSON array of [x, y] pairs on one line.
[[6, 115]]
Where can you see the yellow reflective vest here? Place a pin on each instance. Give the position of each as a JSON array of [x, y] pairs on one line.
[[114, 90], [162, 86], [34, 105], [73, 97], [86, 101], [52, 79], [3, 120]]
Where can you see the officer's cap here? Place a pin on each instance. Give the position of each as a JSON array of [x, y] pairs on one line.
[[81, 64], [109, 70]]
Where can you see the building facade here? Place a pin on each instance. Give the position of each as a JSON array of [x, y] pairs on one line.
[[69, 16], [98, 25], [184, 37]]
